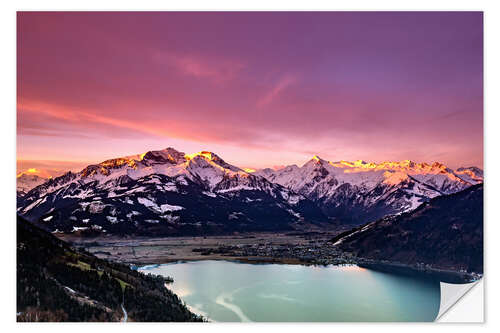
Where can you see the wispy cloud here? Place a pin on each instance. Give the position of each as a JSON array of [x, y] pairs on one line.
[[278, 88], [217, 70], [54, 120], [82, 118]]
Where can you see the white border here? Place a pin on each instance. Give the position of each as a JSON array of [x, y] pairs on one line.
[[7, 164]]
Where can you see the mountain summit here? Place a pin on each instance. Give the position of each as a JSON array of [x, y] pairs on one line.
[[26, 181]]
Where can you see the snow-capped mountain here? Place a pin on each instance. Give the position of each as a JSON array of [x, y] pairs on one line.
[[26, 181], [169, 192], [471, 174], [166, 192], [356, 192]]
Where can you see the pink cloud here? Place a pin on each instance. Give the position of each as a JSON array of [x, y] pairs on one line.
[[278, 88], [133, 79], [217, 70]]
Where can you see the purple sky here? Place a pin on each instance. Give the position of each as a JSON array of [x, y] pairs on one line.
[[260, 89]]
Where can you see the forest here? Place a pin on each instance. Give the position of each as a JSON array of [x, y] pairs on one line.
[[56, 282]]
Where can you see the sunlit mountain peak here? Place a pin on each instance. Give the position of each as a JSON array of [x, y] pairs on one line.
[[206, 154]]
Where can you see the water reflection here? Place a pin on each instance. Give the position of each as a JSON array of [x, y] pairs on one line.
[[230, 291]]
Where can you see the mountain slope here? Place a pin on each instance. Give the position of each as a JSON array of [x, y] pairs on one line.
[[26, 182], [165, 193], [357, 192], [446, 232], [57, 283]]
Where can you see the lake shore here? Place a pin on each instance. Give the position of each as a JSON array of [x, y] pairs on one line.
[[442, 275], [253, 248]]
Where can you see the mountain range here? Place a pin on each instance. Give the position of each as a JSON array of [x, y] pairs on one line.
[[357, 192], [167, 192]]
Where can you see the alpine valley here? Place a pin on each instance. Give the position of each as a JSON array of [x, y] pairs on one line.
[[167, 192]]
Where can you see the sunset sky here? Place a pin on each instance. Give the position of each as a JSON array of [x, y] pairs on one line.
[[259, 89]]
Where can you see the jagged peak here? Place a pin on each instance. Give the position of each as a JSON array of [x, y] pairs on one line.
[[29, 179], [439, 165], [473, 172], [471, 168], [32, 172], [205, 154], [213, 159], [117, 162], [267, 171], [314, 161], [169, 155], [407, 165], [289, 167]]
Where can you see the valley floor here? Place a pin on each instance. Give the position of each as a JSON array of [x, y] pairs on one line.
[[292, 247], [306, 248]]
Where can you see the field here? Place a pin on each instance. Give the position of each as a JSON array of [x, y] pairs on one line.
[[162, 250]]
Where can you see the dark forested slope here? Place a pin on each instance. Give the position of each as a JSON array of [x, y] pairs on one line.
[[446, 232], [58, 283]]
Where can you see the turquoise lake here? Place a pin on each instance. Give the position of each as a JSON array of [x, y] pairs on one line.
[[229, 291]]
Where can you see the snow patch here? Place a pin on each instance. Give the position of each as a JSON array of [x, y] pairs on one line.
[[34, 204], [96, 207], [112, 219], [75, 229], [146, 202], [170, 208], [235, 215]]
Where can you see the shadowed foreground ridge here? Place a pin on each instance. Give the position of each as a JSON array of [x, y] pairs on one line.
[[57, 283], [446, 233]]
